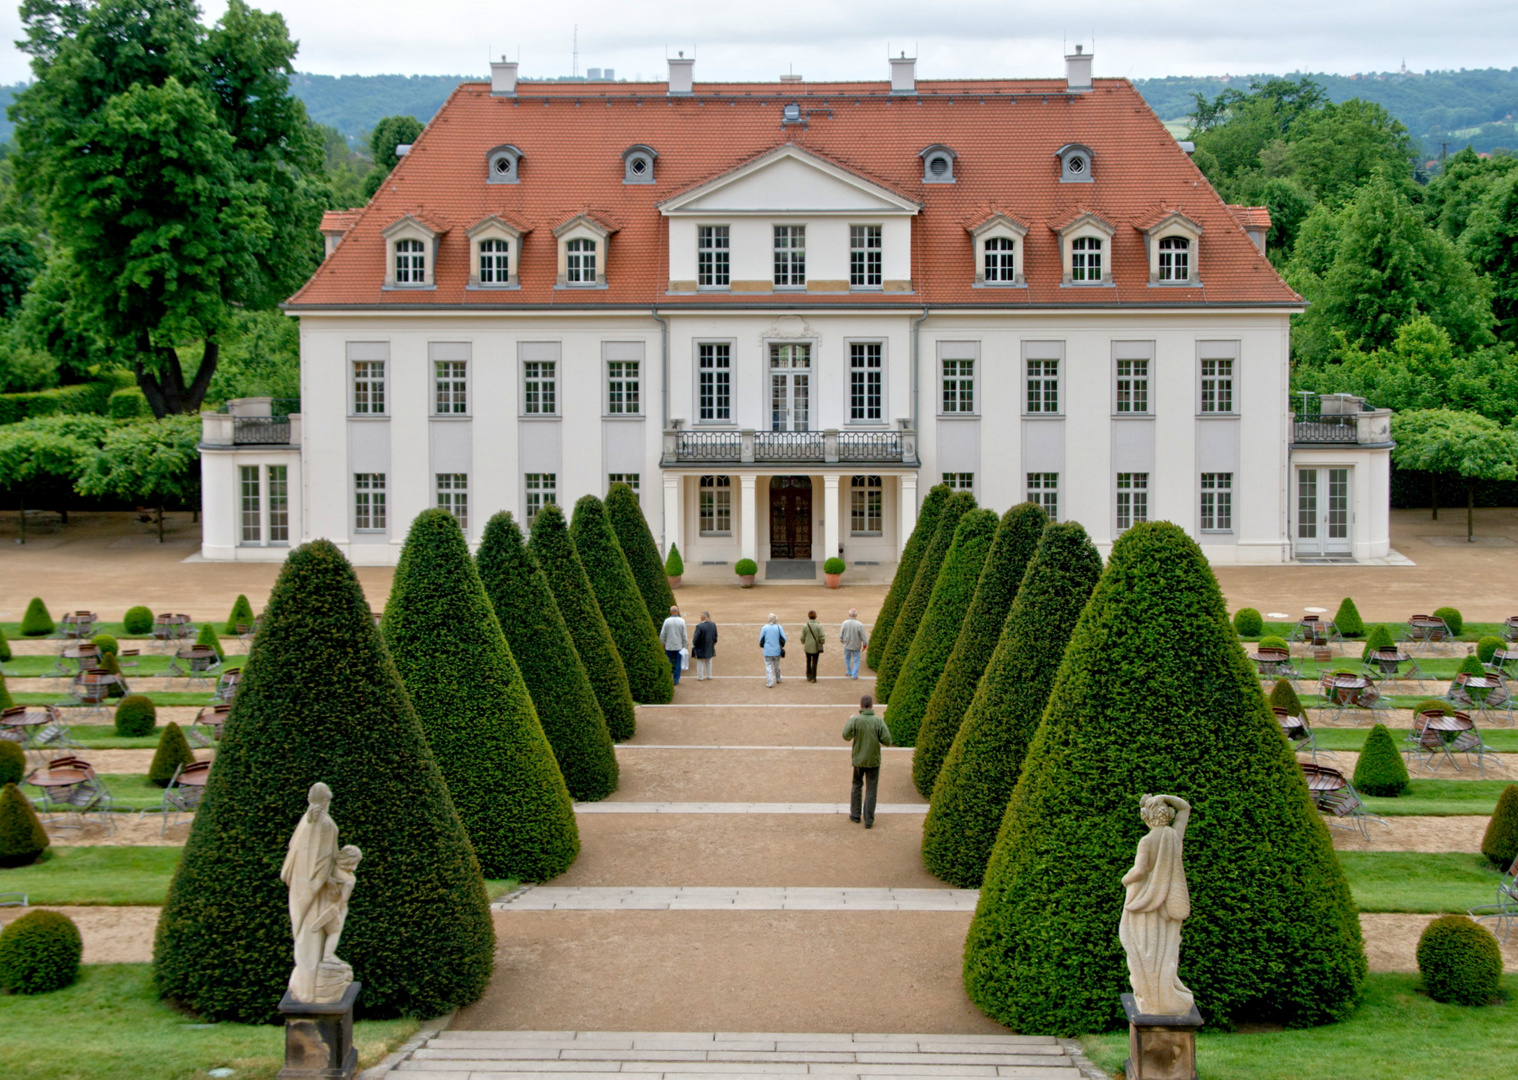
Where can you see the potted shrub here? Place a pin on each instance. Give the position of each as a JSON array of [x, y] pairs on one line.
[[674, 566], [746, 569], [832, 572]]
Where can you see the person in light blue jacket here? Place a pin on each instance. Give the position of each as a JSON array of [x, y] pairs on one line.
[[772, 644]]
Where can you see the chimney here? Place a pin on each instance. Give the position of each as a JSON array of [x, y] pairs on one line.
[[681, 75], [503, 78], [1078, 72], [903, 74]]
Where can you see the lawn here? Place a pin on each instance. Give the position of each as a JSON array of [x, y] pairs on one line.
[[111, 1024], [36, 667], [1471, 631], [1441, 798], [1418, 881], [1396, 1032], [1502, 740], [158, 697]]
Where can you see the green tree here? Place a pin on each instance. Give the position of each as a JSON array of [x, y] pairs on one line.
[[1491, 244], [1336, 149], [1468, 445], [41, 458], [544, 650], [151, 462], [1451, 198], [321, 700], [388, 133], [20, 263], [906, 574], [1136, 708], [984, 761], [637, 543]]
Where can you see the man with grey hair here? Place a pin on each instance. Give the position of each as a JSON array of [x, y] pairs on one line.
[[772, 645], [703, 646], [855, 641], [672, 637]]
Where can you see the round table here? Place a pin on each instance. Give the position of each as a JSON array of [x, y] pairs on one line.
[[1317, 781], [57, 778], [197, 778], [1388, 661]]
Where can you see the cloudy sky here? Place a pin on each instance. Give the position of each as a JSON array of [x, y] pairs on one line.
[[840, 39]]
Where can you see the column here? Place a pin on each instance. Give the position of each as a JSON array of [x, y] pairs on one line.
[[906, 497], [830, 515], [748, 516], [674, 490]]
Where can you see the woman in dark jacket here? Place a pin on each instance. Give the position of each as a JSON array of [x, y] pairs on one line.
[[704, 646], [812, 637]]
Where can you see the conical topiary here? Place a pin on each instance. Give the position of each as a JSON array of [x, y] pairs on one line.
[[551, 546], [915, 606], [1138, 707], [22, 837], [240, 616], [642, 554], [906, 573], [674, 565], [5, 646], [1347, 620], [1380, 771], [1006, 562], [474, 707], [320, 700], [541, 645], [12, 762], [5, 695], [983, 763], [1283, 695], [37, 622], [207, 636], [173, 751], [1500, 843], [940, 625], [1379, 638], [636, 636]]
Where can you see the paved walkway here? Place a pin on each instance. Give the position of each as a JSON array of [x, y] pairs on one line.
[[678, 898]]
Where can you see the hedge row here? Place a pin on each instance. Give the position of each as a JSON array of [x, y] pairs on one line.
[[91, 397], [906, 574], [637, 543]]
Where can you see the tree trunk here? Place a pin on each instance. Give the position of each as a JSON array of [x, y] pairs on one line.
[[1433, 487], [160, 522], [1470, 510], [22, 502], [165, 389]]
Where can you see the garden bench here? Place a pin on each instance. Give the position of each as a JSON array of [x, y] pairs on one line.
[[1505, 910], [1335, 796], [1435, 733], [1297, 731]]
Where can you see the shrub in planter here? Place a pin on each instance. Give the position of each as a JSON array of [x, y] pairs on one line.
[[173, 751], [984, 761], [746, 568], [1487, 648], [1380, 637], [637, 543], [1273, 927], [37, 622], [39, 953], [1380, 771], [5, 647], [136, 717], [321, 700], [906, 574], [551, 547], [1283, 695], [674, 566], [12, 762], [632, 629], [1500, 843], [835, 565], [1347, 620], [138, 620], [1452, 618], [1248, 622], [545, 653], [22, 837], [1271, 641], [106, 644], [207, 636], [1460, 961], [240, 615]]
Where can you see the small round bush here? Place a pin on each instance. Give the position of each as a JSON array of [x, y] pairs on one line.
[[835, 565], [173, 751], [674, 566], [1452, 618], [1460, 961], [106, 644], [1433, 705], [1248, 622], [1487, 648], [37, 622], [12, 762], [1500, 844], [136, 717], [1283, 695], [1273, 642], [39, 953], [745, 568], [1347, 619], [138, 620], [1380, 771], [22, 837], [1379, 638]]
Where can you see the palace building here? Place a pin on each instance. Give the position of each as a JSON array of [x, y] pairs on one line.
[[782, 311]]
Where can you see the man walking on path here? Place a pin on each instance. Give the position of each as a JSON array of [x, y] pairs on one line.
[[869, 733], [672, 637], [772, 644], [703, 646], [855, 641], [812, 638]]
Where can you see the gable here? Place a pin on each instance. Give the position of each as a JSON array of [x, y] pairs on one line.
[[789, 181]]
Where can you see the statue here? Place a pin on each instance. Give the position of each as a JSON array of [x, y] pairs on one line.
[[320, 877], [1156, 904]]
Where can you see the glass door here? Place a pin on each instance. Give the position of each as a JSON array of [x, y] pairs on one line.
[[1324, 518], [790, 387]]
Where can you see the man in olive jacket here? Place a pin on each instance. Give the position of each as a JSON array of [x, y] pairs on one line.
[[869, 733]]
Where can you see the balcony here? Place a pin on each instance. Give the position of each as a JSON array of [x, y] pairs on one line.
[[829, 447], [1345, 420], [251, 422]]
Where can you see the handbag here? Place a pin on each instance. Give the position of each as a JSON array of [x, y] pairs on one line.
[[684, 659]]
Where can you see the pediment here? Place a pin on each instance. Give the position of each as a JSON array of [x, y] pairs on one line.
[[789, 180]]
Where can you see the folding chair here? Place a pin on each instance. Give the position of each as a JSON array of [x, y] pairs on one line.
[[1297, 731], [1440, 734], [226, 685], [1336, 797], [205, 730], [181, 798], [1505, 910]]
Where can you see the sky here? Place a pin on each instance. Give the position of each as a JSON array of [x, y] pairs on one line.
[[849, 39]]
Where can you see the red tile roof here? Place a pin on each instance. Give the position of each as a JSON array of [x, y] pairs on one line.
[[1004, 132], [340, 221], [1251, 217]]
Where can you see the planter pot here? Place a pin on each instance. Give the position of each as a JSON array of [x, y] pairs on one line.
[[833, 580], [674, 582], [746, 581]]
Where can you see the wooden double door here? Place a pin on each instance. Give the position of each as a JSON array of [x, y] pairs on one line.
[[790, 517]]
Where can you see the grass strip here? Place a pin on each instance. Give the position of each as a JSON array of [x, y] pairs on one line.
[[1441, 798], [1503, 740], [1471, 631], [158, 697], [39, 667], [1419, 882], [115, 629]]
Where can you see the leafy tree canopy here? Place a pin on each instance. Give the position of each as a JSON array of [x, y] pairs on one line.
[[1446, 441], [388, 133], [152, 462], [1491, 244], [1451, 197]]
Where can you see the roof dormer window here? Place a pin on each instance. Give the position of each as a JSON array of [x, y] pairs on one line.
[[999, 251], [495, 248], [1086, 251], [410, 262], [504, 165], [1074, 164], [583, 249], [1173, 243], [638, 164], [938, 164], [410, 250]]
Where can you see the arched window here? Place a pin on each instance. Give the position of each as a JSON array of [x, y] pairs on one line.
[[1086, 259], [410, 262], [1175, 259], [580, 268], [495, 262], [1000, 265]]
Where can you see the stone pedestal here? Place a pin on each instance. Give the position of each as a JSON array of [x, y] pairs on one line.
[[1160, 1047], [319, 1038]]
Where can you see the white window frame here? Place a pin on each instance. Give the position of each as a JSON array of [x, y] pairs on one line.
[[630, 386], [959, 377], [1132, 504], [494, 230], [585, 229], [1002, 229], [866, 257], [879, 370], [452, 494], [1041, 386], [1131, 386], [538, 490], [369, 510], [633, 480], [1043, 490], [714, 505], [277, 507], [250, 505], [368, 380], [788, 264], [406, 231], [1215, 504], [1216, 390], [1085, 228], [530, 371], [866, 505], [1174, 226], [450, 388], [960, 481], [717, 272]]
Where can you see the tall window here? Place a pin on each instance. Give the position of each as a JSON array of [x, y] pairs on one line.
[[714, 381], [1217, 501], [580, 262], [453, 496], [712, 256], [1132, 499], [1043, 490], [790, 254], [1133, 386], [958, 386], [279, 504], [999, 259], [622, 387], [410, 262], [1085, 259], [252, 528], [631, 479], [538, 397], [369, 502], [864, 381], [864, 255], [864, 505], [959, 481], [1043, 386], [1217, 386], [542, 490], [495, 262], [368, 387], [1175, 259], [716, 505], [449, 381]]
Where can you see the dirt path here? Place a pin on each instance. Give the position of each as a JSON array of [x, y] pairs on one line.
[[112, 935]]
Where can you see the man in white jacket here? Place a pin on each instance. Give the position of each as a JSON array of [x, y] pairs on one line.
[[855, 641], [672, 637]]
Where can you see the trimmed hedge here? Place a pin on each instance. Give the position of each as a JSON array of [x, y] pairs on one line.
[[474, 707], [1380, 637], [1471, 665], [240, 615], [1283, 695], [136, 717], [1248, 622], [637, 543], [173, 751], [106, 644], [674, 566], [1380, 772], [915, 606], [37, 622], [1500, 842], [1000, 576], [983, 763], [128, 404], [138, 620], [1136, 707], [1460, 961], [555, 553], [12, 762], [5, 647], [906, 574], [39, 953], [207, 636], [91, 397], [22, 837], [834, 565], [633, 630], [1347, 619], [1452, 618], [1487, 648], [545, 654], [6, 700], [321, 700]]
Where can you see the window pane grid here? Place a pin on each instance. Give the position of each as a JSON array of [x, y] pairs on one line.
[[410, 263], [368, 387], [542, 490], [960, 481], [1043, 490], [369, 502], [495, 262], [450, 384], [864, 255], [999, 263], [714, 381], [453, 496], [1043, 386], [1132, 500], [865, 498], [715, 505], [864, 381], [712, 256], [279, 504], [1133, 386], [790, 254], [538, 388], [1217, 502], [252, 529], [622, 386], [1175, 259], [1217, 386], [580, 262], [1086, 259], [959, 386]]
